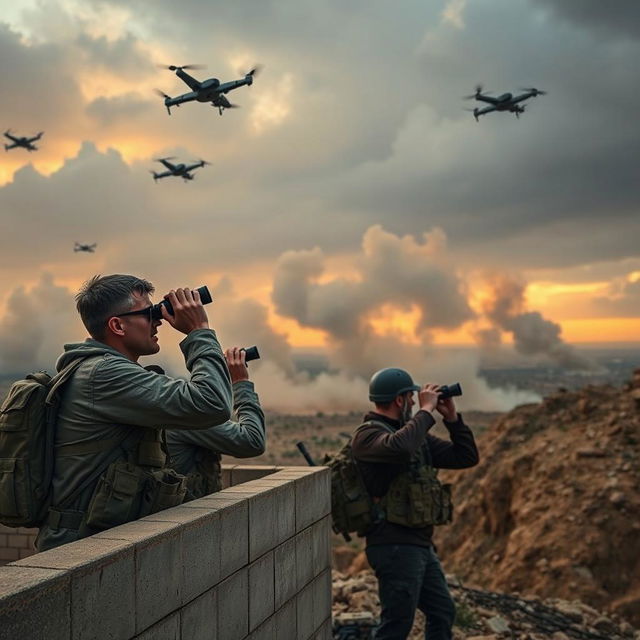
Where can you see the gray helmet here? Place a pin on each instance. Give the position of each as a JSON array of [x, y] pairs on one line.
[[386, 384]]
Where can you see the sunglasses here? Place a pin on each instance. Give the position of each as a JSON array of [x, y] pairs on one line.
[[147, 311]]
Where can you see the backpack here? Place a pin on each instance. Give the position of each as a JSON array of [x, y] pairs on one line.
[[27, 433], [352, 508]]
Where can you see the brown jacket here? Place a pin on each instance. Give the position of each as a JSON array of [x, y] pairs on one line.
[[384, 453]]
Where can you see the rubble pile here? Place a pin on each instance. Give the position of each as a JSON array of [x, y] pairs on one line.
[[553, 508], [486, 615]]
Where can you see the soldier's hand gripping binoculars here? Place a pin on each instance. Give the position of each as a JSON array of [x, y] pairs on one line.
[[156, 310]]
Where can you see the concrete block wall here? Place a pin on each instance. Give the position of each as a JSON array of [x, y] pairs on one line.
[[250, 562]]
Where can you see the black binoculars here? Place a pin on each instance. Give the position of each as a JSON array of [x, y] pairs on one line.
[[251, 353], [450, 390], [156, 310]]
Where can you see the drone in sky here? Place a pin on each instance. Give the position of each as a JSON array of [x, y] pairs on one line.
[[87, 248], [22, 141], [505, 102], [210, 90], [182, 170]]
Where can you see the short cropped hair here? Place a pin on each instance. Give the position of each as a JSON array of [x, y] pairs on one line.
[[105, 296]]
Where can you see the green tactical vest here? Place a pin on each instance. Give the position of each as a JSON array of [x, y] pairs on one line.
[[207, 478], [416, 498], [137, 486]]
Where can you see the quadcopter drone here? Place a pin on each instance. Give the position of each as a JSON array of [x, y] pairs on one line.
[[210, 90], [505, 102], [182, 170], [22, 141], [87, 248]]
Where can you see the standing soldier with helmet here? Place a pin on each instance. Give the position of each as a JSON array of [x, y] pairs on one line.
[[398, 458]]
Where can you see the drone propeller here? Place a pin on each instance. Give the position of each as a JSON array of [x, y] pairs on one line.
[[257, 69], [161, 159], [162, 94], [173, 67], [473, 95], [534, 90], [204, 163]]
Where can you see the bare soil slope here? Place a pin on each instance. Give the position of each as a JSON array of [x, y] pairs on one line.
[[553, 509]]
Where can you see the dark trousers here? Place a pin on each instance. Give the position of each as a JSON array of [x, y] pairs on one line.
[[411, 577]]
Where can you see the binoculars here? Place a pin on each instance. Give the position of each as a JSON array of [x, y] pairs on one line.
[[450, 390], [156, 310], [251, 353]]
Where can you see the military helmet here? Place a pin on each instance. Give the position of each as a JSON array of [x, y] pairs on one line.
[[388, 383]]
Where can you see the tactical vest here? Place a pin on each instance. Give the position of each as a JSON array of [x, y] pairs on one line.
[[207, 478], [417, 499], [136, 485]]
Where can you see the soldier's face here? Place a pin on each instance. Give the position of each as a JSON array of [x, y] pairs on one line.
[[140, 338], [407, 407]]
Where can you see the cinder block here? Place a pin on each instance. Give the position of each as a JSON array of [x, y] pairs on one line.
[[305, 568], [266, 631], [102, 585], [234, 538], [285, 576], [158, 577], [226, 476], [304, 612], [322, 544], [313, 497], [321, 599], [27, 553], [200, 546], [233, 605], [285, 621], [213, 501], [167, 629], [246, 473], [261, 590], [199, 619], [325, 632], [3, 540], [137, 531], [271, 519], [201, 543], [313, 552], [34, 603]]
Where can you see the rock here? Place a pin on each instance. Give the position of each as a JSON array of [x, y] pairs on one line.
[[604, 624], [572, 611], [342, 557], [359, 563], [560, 635], [617, 499], [498, 624]]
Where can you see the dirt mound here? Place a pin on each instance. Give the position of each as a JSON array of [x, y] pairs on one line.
[[486, 615], [553, 509]]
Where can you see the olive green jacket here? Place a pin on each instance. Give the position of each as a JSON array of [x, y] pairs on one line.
[[109, 395], [242, 439]]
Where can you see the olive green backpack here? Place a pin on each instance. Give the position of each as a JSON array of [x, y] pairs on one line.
[[352, 508], [27, 433]]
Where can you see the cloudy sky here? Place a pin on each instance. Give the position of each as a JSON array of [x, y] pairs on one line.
[[352, 205]]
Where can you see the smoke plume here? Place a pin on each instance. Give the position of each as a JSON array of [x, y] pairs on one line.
[[532, 334]]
